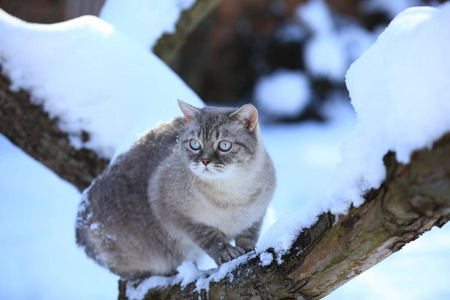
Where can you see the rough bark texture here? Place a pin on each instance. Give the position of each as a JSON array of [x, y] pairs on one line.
[[169, 44], [32, 130], [414, 198]]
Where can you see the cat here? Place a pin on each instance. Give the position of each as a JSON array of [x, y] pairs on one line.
[[187, 187]]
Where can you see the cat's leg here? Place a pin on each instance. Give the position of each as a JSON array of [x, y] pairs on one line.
[[248, 238], [213, 241]]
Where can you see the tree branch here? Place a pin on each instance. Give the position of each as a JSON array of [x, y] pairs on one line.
[[32, 130], [414, 198], [169, 44]]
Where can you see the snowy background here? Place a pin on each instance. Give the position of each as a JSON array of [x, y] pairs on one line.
[[39, 258]]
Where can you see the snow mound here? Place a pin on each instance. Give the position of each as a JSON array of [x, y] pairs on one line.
[[400, 89], [108, 89]]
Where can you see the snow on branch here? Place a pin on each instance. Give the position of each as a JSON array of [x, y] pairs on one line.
[[91, 78], [29, 127], [81, 89]]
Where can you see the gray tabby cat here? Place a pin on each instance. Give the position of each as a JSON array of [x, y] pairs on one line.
[[190, 185]]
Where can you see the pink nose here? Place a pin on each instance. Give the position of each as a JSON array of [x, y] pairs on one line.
[[205, 161]]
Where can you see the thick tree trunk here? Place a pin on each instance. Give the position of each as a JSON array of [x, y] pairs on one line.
[[414, 198]]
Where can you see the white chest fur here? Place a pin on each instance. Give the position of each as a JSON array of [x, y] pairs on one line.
[[230, 206]]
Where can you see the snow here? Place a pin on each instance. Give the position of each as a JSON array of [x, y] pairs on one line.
[[144, 20], [305, 158], [92, 78], [282, 94], [39, 259], [266, 258], [398, 89], [187, 273]]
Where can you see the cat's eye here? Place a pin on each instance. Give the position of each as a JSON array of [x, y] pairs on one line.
[[194, 144], [225, 145]]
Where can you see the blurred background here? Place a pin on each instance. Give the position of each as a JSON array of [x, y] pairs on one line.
[[252, 50]]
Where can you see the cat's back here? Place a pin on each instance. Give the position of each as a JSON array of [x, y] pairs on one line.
[[120, 193], [131, 171]]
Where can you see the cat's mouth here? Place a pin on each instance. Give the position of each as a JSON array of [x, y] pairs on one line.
[[208, 172]]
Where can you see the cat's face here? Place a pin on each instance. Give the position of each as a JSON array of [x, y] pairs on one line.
[[219, 141]]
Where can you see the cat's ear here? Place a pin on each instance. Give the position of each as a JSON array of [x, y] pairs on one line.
[[189, 111], [249, 115]]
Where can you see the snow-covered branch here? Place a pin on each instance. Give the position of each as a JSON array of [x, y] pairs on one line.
[[29, 127], [67, 108], [413, 198]]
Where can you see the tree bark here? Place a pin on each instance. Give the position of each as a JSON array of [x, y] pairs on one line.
[[413, 198]]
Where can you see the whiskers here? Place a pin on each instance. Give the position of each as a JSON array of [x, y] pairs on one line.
[[184, 178]]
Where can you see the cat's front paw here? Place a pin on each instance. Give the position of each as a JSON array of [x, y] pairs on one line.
[[245, 244], [226, 252]]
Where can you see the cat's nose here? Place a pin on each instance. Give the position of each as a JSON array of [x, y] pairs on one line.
[[205, 161]]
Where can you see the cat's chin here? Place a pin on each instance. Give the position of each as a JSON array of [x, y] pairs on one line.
[[209, 174]]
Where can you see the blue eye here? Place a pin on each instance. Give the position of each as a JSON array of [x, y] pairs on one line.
[[194, 144], [225, 145]]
